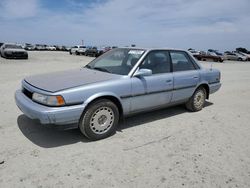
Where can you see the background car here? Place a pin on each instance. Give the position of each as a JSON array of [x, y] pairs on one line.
[[40, 47], [241, 56], [9, 50], [193, 51], [28, 46], [91, 51], [78, 50], [208, 56], [246, 55], [232, 56], [50, 48], [214, 52]]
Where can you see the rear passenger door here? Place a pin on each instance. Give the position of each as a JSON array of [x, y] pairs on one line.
[[186, 76]]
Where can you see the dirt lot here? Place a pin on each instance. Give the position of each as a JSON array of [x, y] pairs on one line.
[[167, 148]]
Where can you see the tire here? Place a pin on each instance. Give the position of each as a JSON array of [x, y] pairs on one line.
[[77, 53], [100, 120], [70, 52], [197, 101], [240, 59]]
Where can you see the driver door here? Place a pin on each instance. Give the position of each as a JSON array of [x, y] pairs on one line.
[[154, 90]]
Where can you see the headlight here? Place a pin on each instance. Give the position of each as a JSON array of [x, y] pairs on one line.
[[8, 52], [49, 100]]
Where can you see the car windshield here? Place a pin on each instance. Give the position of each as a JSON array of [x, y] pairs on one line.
[[13, 46], [117, 61]]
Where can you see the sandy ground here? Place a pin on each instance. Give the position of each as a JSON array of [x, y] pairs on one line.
[[166, 148]]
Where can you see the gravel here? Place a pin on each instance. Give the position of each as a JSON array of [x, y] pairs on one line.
[[166, 148]]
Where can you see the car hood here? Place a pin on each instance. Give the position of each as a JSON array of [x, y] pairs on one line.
[[58, 81], [14, 50]]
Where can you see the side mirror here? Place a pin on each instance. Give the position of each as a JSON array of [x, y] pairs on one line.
[[143, 72]]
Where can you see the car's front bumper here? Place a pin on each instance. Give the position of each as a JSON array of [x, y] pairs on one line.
[[16, 55], [48, 115]]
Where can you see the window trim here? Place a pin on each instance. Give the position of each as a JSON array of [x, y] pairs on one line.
[[167, 55], [196, 67]]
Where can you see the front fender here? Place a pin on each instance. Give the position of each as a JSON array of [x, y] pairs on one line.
[[102, 95]]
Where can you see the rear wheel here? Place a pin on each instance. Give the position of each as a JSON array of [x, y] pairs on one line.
[[197, 101], [99, 120]]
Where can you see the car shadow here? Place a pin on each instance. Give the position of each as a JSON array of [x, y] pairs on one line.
[[155, 115], [46, 136], [49, 137]]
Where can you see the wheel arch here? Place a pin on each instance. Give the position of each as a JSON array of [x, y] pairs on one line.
[[206, 87], [108, 96]]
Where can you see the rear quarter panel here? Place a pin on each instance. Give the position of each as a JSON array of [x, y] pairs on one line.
[[210, 77]]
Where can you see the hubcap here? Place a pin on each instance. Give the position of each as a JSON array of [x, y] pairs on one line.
[[199, 99], [102, 120]]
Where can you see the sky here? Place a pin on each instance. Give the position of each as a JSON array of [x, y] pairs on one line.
[[200, 24]]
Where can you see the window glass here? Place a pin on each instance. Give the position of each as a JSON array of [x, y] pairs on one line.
[[118, 61], [181, 62], [157, 61]]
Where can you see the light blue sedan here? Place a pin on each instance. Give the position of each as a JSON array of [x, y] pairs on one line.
[[121, 82]]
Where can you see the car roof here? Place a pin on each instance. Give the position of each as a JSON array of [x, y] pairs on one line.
[[150, 49]]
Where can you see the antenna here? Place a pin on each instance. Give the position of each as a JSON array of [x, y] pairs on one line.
[[211, 65]]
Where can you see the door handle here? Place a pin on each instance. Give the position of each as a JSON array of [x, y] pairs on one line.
[[195, 77], [168, 81]]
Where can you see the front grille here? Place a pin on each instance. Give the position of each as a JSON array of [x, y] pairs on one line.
[[27, 93], [18, 55]]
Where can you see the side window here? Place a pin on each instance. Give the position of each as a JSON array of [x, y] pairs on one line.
[[157, 61], [181, 62]]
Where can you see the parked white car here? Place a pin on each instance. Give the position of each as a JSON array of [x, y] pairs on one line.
[[78, 50], [50, 47]]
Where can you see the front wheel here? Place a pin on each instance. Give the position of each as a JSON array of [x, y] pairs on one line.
[[99, 120], [197, 101]]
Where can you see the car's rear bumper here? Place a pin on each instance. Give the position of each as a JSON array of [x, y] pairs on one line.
[[214, 87], [48, 115]]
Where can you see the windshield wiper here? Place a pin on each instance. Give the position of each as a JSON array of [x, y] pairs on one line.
[[101, 69]]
